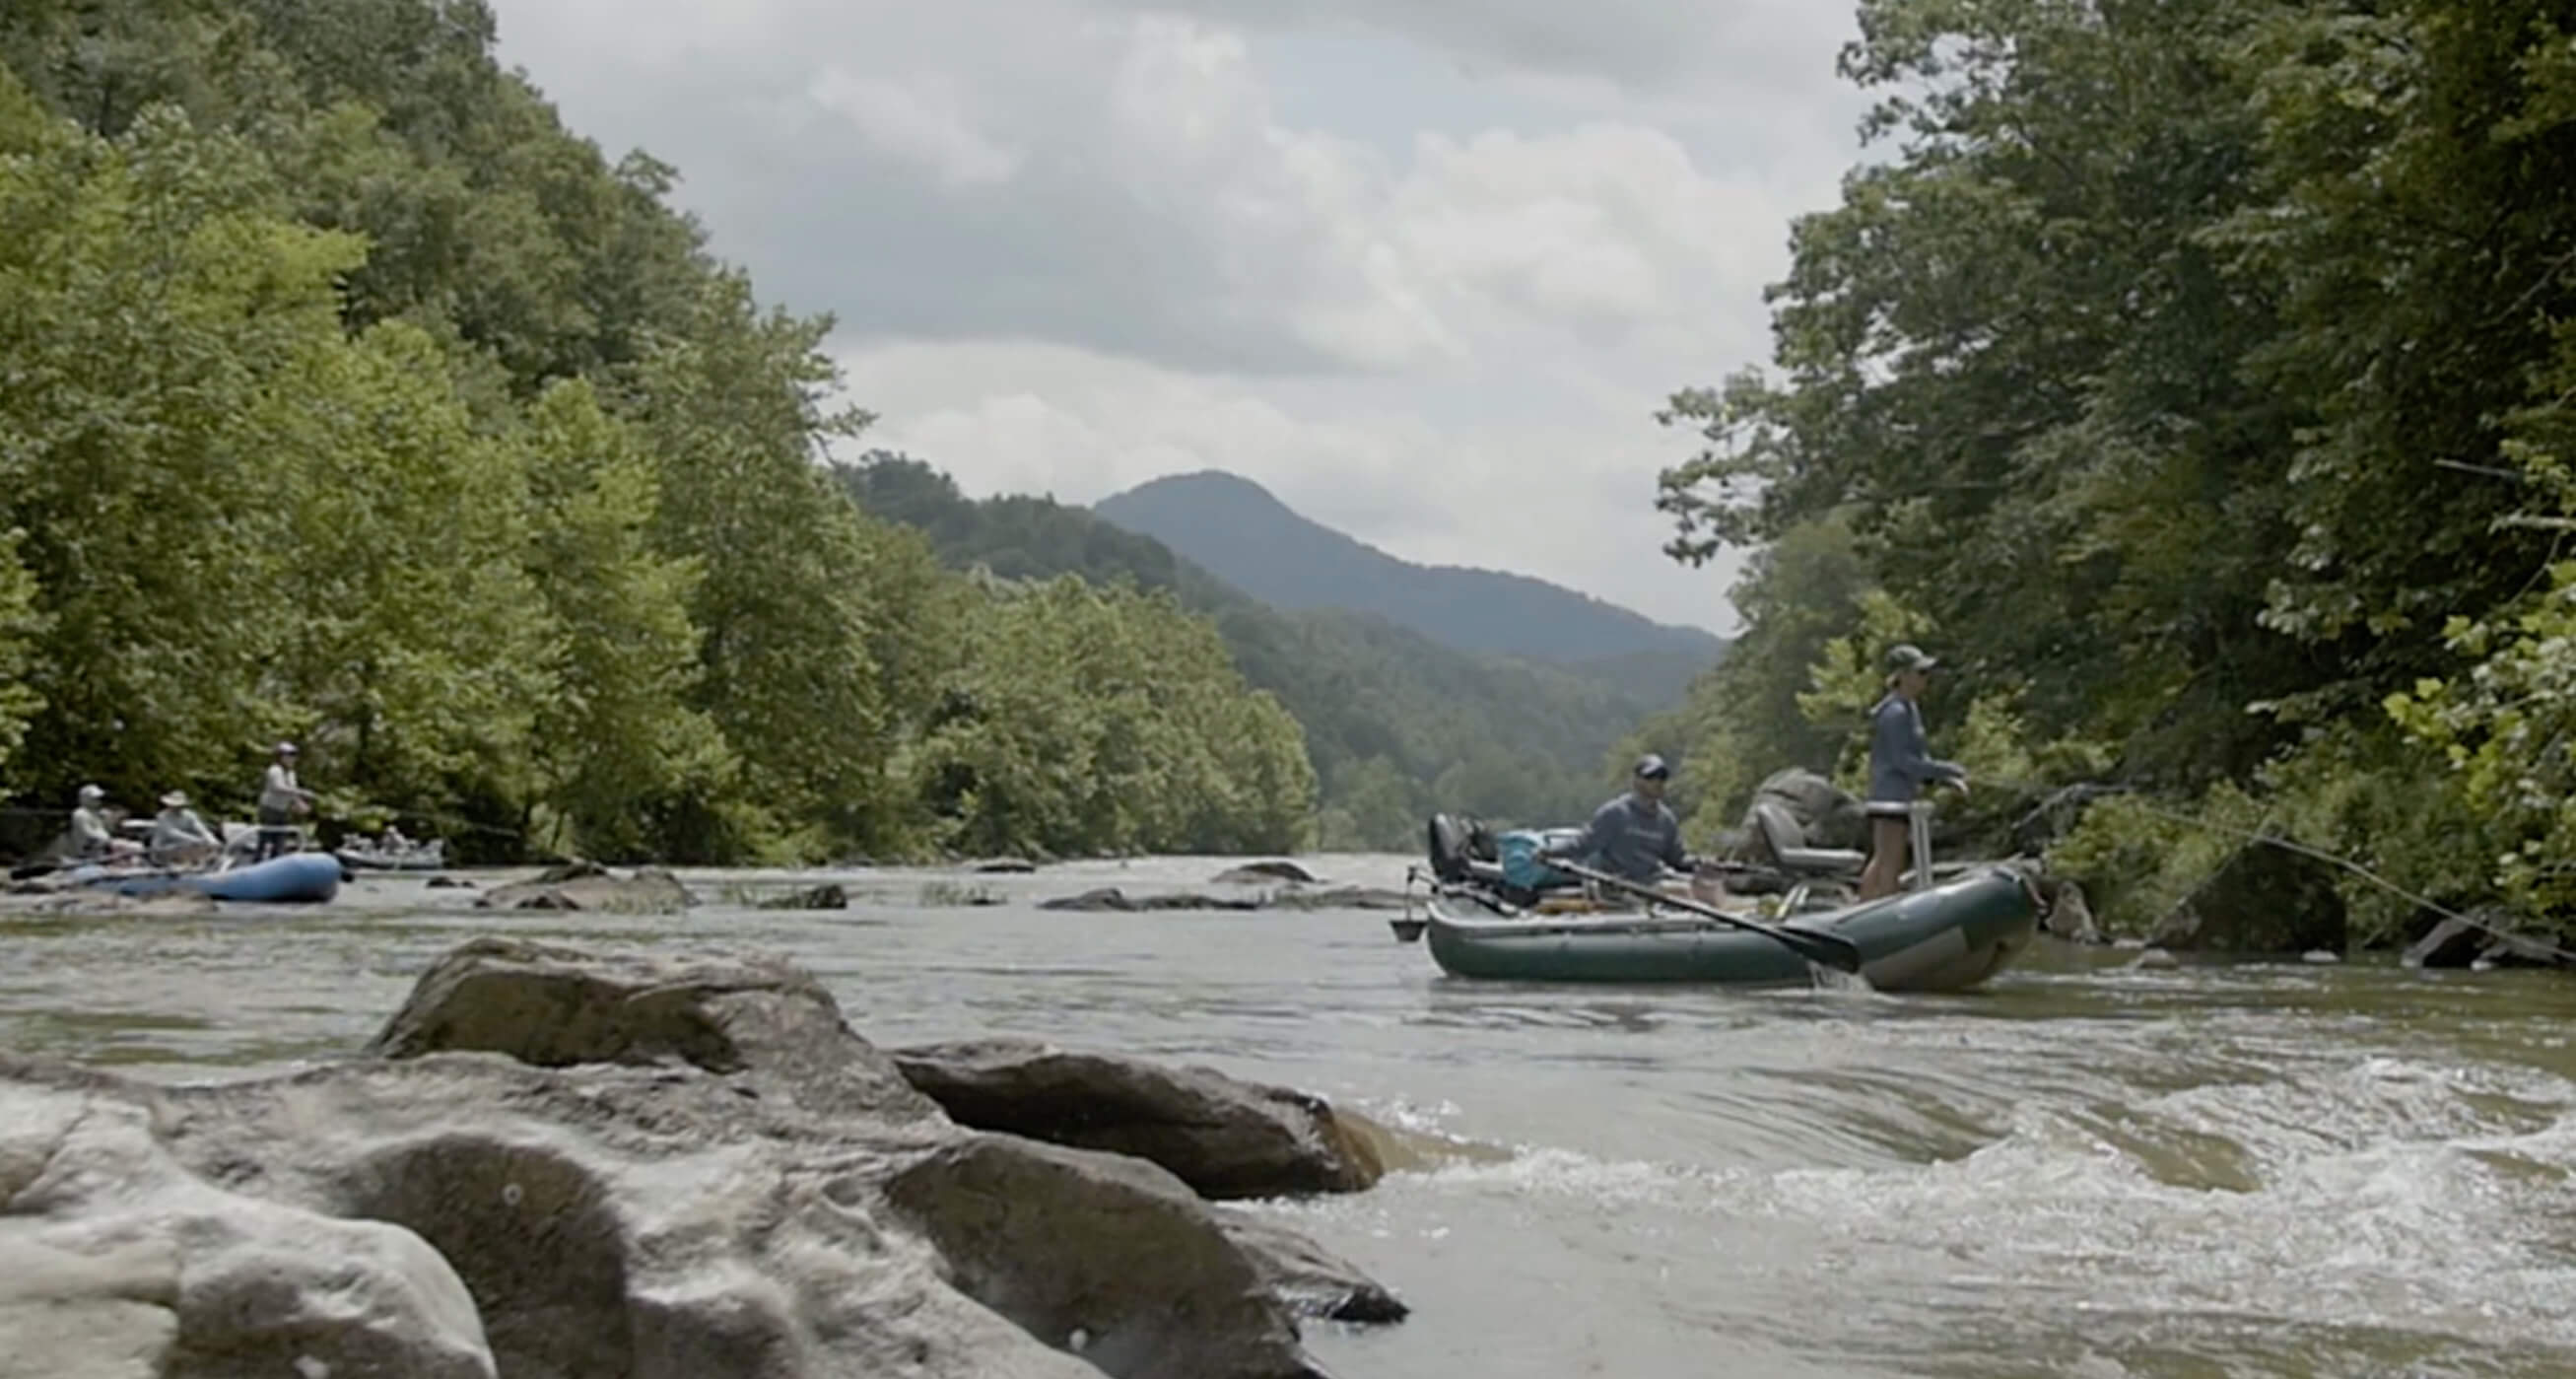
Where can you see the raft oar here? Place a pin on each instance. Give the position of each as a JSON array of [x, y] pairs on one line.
[[1826, 949]]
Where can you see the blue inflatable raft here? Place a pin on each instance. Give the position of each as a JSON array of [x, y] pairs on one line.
[[295, 878]]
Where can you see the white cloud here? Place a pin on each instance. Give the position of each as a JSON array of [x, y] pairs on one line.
[[1074, 245], [918, 121]]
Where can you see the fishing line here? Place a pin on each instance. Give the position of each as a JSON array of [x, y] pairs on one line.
[[2088, 790]]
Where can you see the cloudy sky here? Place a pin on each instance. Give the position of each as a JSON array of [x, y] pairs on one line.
[[1423, 268]]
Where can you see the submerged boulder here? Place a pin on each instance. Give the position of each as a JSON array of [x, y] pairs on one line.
[[1102, 899], [585, 1166], [589, 886], [1222, 1136], [1253, 873], [827, 896]]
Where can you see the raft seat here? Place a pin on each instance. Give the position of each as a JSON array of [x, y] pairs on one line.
[[1787, 844]]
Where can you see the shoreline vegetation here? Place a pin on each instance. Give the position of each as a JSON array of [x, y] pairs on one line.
[[351, 399], [2199, 380]]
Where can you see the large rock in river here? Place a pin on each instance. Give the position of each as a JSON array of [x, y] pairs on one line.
[[117, 1260], [1224, 1137], [589, 886], [585, 1167]]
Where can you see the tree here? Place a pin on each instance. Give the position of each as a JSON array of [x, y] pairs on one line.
[[148, 298], [615, 741]]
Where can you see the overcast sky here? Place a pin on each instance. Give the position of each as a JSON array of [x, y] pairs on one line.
[[1422, 268]]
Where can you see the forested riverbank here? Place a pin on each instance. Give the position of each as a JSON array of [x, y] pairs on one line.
[[2196, 379], [347, 397]]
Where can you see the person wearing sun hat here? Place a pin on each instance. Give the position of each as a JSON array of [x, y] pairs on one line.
[[179, 837], [1900, 765], [280, 800]]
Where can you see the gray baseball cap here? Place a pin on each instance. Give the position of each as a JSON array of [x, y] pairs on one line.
[[1908, 656]]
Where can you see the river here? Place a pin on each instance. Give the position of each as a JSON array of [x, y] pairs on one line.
[[2083, 1170]]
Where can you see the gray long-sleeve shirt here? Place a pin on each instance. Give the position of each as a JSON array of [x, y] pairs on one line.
[[1900, 761], [1631, 837]]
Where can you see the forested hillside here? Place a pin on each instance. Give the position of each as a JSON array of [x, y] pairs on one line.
[[2196, 378], [346, 397], [1396, 723], [1236, 530]]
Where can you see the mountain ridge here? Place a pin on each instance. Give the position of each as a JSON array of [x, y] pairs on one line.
[[1243, 534], [1397, 723]]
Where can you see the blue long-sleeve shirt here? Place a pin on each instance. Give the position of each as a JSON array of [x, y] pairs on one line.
[[1631, 837], [1900, 760]]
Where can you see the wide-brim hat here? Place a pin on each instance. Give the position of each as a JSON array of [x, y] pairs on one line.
[[286, 749], [176, 799]]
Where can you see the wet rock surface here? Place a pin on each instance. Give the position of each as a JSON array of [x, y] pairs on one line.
[[1312, 1280], [828, 896], [576, 1165], [1222, 1136], [1288, 897], [1253, 873], [589, 886]]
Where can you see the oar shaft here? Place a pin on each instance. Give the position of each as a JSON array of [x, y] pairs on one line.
[[1829, 949]]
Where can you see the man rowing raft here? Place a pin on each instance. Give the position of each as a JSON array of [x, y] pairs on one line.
[[179, 838], [1633, 835]]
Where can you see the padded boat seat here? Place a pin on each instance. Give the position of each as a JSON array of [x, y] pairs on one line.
[[1787, 844]]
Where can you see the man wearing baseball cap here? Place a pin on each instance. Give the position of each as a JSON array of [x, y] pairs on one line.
[[1634, 835], [1900, 765], [280, 800], [89, 839]]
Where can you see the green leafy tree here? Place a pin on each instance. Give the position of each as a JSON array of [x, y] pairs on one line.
[[732, 409], [148, 300], [412, 628], [615, 743], [20, 626]]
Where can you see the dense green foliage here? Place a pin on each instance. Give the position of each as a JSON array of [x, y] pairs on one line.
[[2173, 373], [1234, 529], [344, 396], [1396, 724]]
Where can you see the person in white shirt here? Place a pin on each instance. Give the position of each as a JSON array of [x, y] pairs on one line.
[[280, 800], [179, 837], [89, 838]]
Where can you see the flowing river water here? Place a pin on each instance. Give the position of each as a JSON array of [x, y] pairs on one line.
[[2086, 1169]]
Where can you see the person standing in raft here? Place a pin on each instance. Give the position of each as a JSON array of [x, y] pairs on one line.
[[1900, 765], [280, 800], [1634, 835]]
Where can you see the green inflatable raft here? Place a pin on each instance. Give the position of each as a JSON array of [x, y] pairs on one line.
[[1948, 937]]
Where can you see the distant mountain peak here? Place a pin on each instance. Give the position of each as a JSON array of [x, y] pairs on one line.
[[1245, 535]]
